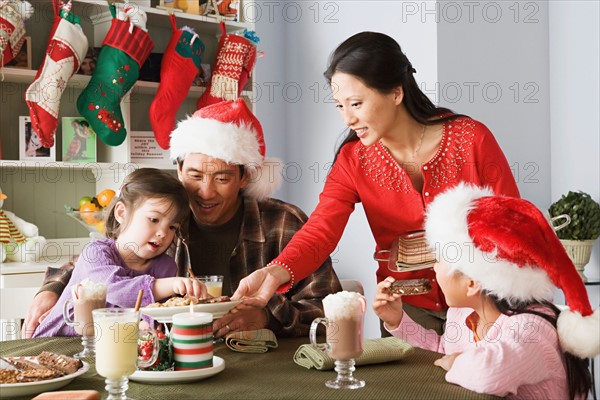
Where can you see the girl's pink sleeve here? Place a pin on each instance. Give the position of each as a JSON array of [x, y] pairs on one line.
[[516, 358], [416, 335]]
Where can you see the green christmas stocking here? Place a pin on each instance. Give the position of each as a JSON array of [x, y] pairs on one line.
[[124, 50]]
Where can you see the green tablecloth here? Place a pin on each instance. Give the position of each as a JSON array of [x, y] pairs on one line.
[[274, 375]]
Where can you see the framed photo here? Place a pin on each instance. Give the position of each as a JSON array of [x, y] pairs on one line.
[[23, 57], [78, 140], [30, 147]]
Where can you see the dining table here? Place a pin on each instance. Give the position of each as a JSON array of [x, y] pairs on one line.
[[271, 375]]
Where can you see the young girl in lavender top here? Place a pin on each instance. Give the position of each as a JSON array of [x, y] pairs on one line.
[[144, 219], [498, 263]]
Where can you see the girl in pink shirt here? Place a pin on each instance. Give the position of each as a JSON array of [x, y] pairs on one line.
[[498, 262]]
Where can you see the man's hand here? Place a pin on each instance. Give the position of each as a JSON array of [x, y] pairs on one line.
[[257, 288], [240, 320], [39, 309], [447, 361]]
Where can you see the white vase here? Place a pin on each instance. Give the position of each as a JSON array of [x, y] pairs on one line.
[[580, 252]]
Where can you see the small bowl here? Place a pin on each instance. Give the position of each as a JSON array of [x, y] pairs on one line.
[[93, 221]]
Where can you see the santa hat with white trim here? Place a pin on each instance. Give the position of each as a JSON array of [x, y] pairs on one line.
[[508, 246], [230, 132]]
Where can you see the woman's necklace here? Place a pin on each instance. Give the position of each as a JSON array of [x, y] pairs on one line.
[[416, 152]]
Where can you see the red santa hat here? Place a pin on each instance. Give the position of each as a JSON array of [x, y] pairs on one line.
[[230, 132], [508, 246]]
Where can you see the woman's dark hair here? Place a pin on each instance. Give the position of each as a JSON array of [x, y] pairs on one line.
[[378, 61], [143, 184], [579, 378]]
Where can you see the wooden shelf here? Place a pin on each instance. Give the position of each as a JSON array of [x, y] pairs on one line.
[[159, 18], [21, 75], [68, 165]]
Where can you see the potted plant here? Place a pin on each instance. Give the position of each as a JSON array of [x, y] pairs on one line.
[[579, 235]]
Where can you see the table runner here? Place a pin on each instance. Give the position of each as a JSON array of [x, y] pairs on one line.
[[274, 375]]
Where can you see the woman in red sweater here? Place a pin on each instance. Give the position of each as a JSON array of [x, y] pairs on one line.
[[400, 153]]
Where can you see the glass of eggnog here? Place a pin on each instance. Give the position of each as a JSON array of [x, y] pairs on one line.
[[213, 283], [77, 312], [117, 333], [344, 316]]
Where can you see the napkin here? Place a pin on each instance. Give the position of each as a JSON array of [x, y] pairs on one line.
[[374, 351], [257, 341]]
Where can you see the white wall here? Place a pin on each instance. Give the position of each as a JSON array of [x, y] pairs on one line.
[[493, 66], [575, 126], [308, 122]]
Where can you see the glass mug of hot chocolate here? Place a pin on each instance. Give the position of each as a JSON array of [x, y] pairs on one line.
[[77, 312], [344, 317]]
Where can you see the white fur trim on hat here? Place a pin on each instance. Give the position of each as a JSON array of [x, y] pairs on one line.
[[226, 141], [447, 233], [265, 179], [233, 144], [579, 335]]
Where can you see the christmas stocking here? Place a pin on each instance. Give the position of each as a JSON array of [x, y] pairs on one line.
[[179, 66], [13, 14], [124, 50], [236, 56], [66, 48]]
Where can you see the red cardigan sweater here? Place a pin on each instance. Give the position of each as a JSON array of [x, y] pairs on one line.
[[468, 152]]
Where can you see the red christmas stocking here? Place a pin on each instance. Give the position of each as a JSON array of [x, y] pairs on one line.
[[12, 28], [124, 50], [236, 56], [179, 66], [66, 48]]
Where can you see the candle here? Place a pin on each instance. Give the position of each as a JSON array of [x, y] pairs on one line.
[[192, 339]]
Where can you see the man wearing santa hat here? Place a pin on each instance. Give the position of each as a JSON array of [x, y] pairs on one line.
[[235, 228]]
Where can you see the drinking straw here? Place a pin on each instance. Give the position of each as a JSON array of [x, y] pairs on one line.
[[191, 272], [138, 302]]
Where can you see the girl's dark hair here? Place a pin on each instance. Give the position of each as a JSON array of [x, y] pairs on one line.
[[378, 61], [579, 378], [143, 184]]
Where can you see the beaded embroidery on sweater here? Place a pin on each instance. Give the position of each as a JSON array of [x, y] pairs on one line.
[[445, 166]]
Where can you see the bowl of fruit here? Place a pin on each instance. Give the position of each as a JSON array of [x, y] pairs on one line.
[[92, 212]]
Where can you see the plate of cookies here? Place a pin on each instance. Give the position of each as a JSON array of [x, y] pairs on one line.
[[163, 312], [30, 375]]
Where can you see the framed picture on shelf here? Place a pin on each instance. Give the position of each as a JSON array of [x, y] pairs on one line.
[[23, 57], [78, 140], [145, 150], [30, 147]]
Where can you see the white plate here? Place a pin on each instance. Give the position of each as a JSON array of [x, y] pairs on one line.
[[159, 377], [9, 390], [165, 314]]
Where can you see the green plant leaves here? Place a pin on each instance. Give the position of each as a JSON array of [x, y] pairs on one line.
[[584, 213]]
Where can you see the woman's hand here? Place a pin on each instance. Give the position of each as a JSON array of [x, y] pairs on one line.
[[258, 287], [387, 306], [447, 361]]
